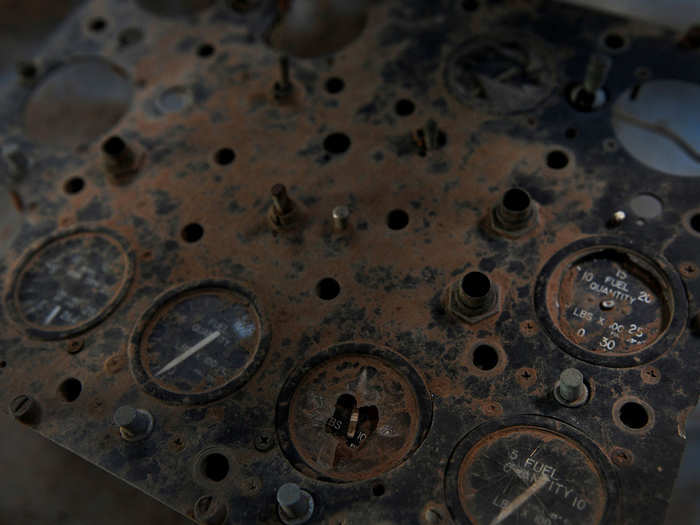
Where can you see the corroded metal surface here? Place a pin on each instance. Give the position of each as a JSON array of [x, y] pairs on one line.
[[411, 129]]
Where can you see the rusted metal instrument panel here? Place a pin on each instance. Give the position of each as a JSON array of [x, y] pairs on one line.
[[426, 262]]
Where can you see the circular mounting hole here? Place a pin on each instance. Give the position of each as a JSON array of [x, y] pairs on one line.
[[98, 24], [646, 206], [335, 85], [327, 289], [215, 467], [78, 102], [634, 415], [614, 41], [113, 146], [397, 219], [70, 389], [557, 159], [405, 107], [485, 357], [516, 199], [192, 232], [74, 185], [225, 156], [3, 364], [476, 284], [205, 50], [336, 143], [695, 222], [378, 490], [571, 133], [470, 5]]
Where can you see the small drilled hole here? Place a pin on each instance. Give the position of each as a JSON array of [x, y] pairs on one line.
[[205, 50], [192, 232], [327, 289], [378, 490], [224, 156], [557, 159], [3, 364], [634, 415], [27, 70], [405, 107], [113, 146], [335, 85], [695, 222], [215, 467], [476, 284], [397, 219], [614, 41], [74, 185], [130, 36], [571, 133], [98, 24], [470, 5], [516, 199], [70, 389], [485, 357], [336, 143]]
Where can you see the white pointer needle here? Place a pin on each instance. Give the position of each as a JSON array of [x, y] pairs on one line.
[[189, 352], [518, 502]]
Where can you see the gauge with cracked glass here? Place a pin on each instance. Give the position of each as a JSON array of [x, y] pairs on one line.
[[352, 413], [69, 283], [530, 475], [609, 301], [503, 75], [198, 342]]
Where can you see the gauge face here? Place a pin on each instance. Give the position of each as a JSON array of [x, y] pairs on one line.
[[70, 283], [355, 416], [529, 475], [198, 341], [611, 301]]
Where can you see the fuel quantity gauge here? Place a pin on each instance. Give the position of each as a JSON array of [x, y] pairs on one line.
[[69, 283], [609, 304], [530, 470], [198, 342]]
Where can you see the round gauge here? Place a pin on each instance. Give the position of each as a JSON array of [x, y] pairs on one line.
[[500, 75], [528, 474], [69, 283], [608, 302], [352, 413], [198, 342]]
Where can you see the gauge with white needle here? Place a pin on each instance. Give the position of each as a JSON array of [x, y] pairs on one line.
[[69, 282], [198, 342], [530, 475]]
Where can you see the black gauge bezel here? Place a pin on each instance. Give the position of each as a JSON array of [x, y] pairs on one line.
[[678, 306], [135, 349]]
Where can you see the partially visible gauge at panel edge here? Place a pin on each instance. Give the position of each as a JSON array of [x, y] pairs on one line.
[[69, 283], [531, 475], [198, 342]]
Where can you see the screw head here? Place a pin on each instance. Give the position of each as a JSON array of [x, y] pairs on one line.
[[264, 442], [23, 407]]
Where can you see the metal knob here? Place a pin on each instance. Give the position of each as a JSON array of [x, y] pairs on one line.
[[295, 506], [134, 424], [571, 390]]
